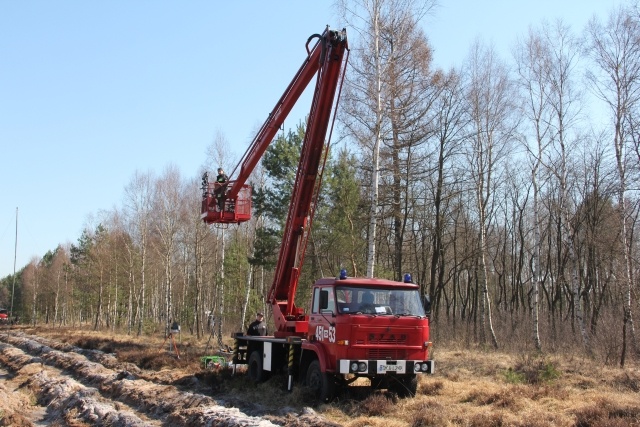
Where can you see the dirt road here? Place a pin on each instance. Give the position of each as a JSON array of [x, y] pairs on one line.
[[47, 382]]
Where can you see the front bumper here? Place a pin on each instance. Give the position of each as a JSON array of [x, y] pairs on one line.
[[381, 367]]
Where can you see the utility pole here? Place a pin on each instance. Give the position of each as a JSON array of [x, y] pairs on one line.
[[15, 254]]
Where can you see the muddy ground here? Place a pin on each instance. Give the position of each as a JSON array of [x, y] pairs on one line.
[[69, 379]]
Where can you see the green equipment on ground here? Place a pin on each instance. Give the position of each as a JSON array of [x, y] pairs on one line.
[[214, 362]]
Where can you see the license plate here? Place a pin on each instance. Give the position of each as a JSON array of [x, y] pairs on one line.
[[390, 368]]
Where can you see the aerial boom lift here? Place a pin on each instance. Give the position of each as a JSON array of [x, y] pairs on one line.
[[356, 327]]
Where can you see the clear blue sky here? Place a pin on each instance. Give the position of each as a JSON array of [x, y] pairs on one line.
[[92, 91]]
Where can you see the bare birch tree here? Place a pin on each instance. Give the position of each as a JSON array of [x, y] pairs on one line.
[[378, 23], [451, 120], [564, 102], [615, 49], [58, 272], [168, 206], [493, 125], [137, 209], [218, 154], [532, 59]]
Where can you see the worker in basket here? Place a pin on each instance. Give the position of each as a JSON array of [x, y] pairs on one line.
[[219, 192]]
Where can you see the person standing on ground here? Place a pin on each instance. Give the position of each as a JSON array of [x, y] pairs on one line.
[[257, 327]]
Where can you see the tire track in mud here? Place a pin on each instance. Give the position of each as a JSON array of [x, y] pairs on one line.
[[16, 407], [91, 387]]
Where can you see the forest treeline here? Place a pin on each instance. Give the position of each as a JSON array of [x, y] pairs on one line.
[[507, 187]]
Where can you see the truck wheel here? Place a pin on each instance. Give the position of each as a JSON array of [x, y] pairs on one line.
[[319, 383], [255, 371], [378, 383], [405, 386]]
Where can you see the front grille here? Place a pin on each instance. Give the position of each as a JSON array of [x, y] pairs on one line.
[[400, 339], [384, 343], [386, 353]]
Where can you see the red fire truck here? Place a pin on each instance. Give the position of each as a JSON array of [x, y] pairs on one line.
[[356, 327], [4, 316]]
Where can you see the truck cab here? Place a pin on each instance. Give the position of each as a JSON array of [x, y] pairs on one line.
[[370, 328]]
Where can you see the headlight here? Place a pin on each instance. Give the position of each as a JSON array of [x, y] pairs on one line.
[[362, 367], [416, 367], [425, 367], [353, 367]]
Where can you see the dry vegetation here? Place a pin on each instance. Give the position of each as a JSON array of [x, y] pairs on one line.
[[472, 387], [479, 388]]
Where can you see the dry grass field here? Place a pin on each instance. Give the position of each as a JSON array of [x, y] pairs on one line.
[[471, 387]]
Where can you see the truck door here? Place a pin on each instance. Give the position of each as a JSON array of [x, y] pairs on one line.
[[322, 318]]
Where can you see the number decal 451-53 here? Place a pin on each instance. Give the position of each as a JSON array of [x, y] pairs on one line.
[[326, 334]]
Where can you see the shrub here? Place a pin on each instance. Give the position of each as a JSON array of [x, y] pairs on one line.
[[376, 405], [513, 377], [607, 413], [532, 370]]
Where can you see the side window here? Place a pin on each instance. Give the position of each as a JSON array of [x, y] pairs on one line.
[[316, 301], [326, 300]]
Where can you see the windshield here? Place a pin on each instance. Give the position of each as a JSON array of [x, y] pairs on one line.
[[379, 301]]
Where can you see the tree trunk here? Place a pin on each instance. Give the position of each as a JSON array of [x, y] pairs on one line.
[[98, 318], [373, 209]]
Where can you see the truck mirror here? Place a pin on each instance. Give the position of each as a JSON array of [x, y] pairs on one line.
[[324, 299], [426, 303]]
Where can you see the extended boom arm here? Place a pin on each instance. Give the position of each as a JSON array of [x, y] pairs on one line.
[[327, 61], [306, 186]]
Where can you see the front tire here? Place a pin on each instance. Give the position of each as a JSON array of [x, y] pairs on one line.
[[320, 383], [405, 386], [379, 383]]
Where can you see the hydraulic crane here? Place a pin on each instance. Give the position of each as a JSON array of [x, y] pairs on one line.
[[357, 327]]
